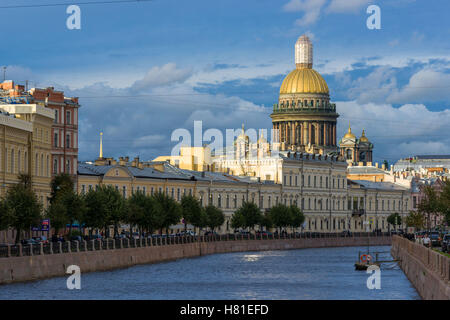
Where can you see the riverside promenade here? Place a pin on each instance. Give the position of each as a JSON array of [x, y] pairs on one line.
[[427, 270], [19, 264]]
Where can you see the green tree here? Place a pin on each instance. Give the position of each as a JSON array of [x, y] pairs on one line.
[[57, 213], [415, 219], [247, 216], [429, 204], [444, 202], [215, 217], [266, 220], [5, 218], [281, 216], [23, 206], [394, 219], [75, 207], [97, 215], [169, 212], [297, 217], [191, 211], [60, 183], [143, 211]]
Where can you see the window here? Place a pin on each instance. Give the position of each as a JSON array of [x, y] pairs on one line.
[[12, 160], [42, 165], [83, 189], [19, 162], [48, 166], [55, 142], [67, 117], [36, 165], [68, 166], [124, 191], [55, 166], [56, 116], [68, 141], [219, 201]]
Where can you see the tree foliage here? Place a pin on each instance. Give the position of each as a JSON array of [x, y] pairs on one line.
[[415, 219], [215, 217], [23, 208], [247, 216]]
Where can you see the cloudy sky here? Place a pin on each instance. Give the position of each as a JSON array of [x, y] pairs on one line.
[[144, 69]]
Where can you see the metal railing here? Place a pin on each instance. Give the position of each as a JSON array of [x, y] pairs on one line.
[[124, 243]]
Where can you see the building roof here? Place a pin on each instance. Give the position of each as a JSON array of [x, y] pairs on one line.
[[365, 170], [387, 186]]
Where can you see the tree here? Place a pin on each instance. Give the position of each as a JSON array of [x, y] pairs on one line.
[[429, 204], [280, 216], [215, 217], [247, 216], [191, 211], [23, 206], [415, 219], [60, 183], [444, 202], [142, 210], [169, 211], [266, 220], [394, 219], [297, 217], [115, 207], [75, 207], [5, 218], [57, 213], [97, 213]]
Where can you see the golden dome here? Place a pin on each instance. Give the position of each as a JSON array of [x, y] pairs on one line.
[[349, 134], [363, 137], [304, 80]]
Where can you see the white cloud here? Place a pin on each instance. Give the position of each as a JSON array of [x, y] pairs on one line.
[[310, 8], [427, 85], [161, 76], [150, 140], [397, 132], [345, 6]]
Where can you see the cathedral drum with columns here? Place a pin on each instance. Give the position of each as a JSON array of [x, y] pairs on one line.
[[304, 117]]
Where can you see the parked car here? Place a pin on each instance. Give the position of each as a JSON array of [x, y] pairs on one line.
[[435, 239], [211, 233], [32, 241], [346, 233], [264, 233]]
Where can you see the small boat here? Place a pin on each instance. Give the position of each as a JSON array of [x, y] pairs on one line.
[[363, 266]]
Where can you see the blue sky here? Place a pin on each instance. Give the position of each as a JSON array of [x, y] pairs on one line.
[[222, 62]]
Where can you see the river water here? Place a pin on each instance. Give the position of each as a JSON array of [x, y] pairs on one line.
[[326, 273]]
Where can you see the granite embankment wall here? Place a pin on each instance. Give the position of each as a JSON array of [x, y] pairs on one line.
[[427, 270], [27, 268]]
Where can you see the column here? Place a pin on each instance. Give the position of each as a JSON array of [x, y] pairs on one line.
[[334, 135], [317, 134], [309, 133]]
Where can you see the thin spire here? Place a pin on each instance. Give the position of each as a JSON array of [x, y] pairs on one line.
[[101, 145]]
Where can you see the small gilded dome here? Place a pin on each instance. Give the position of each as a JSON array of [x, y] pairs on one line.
[[304, 80], [349, 134], [363, 137]]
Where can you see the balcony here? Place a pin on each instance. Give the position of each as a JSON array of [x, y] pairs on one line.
[[358, 212]]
